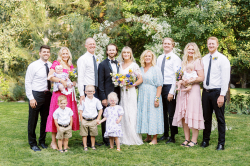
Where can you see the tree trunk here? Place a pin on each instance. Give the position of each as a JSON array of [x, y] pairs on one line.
[[243, 78]]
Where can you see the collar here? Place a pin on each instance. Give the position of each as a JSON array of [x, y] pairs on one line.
[[169, 54], [42, 62], [90, 54], [214, 54], [89, 98]]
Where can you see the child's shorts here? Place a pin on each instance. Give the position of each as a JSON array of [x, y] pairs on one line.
[[64, 132], [90, 126]]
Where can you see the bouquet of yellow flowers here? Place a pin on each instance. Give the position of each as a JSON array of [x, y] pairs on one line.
[[73, 75], [124, 80], [179, 74]]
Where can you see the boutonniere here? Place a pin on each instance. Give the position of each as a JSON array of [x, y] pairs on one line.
[[168, 58], [118, 64], [215, 58]]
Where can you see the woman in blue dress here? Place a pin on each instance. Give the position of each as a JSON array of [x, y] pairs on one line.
[[150, 111]]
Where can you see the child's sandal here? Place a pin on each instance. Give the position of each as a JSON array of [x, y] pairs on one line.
[[60, 151], [93, 147], [188, 146], [65, 150], [183, 144], [85, 148], [118, 149]]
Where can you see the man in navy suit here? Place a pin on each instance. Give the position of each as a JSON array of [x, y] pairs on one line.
[[105, 84]]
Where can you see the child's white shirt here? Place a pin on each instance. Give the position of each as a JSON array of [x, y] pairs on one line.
[[187, 75], [63, 116], [90, 107]]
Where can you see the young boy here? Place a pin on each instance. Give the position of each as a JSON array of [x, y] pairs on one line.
[[89, 116], [63, 121]]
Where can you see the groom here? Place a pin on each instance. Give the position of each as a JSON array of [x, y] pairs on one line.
[[109, 65]]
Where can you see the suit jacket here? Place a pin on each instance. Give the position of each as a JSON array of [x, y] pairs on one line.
[[105, 83]]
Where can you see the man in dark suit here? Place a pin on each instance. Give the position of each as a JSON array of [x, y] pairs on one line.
[[106, 86]]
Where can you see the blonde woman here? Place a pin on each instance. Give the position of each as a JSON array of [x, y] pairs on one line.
[[129, 99], [188, 111], [150, 111], [65, 60]]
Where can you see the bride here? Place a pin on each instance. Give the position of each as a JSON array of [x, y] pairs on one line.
[[129, 100]]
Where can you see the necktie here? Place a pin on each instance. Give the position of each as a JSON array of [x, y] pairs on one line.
[[163, 65], [208, 71], [95, 69], [47, 71]]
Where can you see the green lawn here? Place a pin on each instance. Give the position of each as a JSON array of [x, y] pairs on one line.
[[15, 148]]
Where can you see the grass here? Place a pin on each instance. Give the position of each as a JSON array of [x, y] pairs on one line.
[[15, 148], [235, 91]]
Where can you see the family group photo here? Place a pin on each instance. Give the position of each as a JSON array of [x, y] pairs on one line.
[[113, 82]]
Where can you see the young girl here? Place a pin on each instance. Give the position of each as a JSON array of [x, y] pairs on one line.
[[189, 74], [113, 115], [64, 76]]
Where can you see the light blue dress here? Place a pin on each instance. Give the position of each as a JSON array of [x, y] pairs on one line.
[[149, 118]]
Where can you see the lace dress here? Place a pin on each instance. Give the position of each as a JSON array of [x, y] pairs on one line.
[[129, 104]]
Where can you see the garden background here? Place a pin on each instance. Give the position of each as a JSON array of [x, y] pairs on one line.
[[25, 25]]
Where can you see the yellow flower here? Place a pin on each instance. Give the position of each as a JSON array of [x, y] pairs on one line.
[[130, 70], [121, 79]]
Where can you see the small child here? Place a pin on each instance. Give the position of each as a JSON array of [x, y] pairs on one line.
[[188, 75], [64, 76], [113, 115], [63, 121], [89, 116]]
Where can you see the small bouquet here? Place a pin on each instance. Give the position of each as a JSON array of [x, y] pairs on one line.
[[73, 75], [179, 74]]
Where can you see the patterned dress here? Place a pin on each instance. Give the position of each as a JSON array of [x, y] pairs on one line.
[[150, 118], [112, 128]]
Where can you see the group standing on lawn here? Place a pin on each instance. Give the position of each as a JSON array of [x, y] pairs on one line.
[[123, 118]]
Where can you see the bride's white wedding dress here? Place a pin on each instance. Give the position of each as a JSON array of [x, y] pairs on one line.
[[129, 104]]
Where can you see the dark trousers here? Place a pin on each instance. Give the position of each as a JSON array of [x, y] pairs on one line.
[[168, 112], [209, 103], [106, 140], [43, 103]]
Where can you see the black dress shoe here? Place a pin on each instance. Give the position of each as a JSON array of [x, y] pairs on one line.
[[162, 138], [204, 144], [43, 145], [35, 148], [171, 140], [220, 147]]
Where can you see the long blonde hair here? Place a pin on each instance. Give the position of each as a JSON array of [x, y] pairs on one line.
[[197, 54], [131, 53], [59, 59], [153, 62]]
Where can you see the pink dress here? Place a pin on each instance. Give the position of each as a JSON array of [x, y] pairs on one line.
[[50, 126], [188, 105]]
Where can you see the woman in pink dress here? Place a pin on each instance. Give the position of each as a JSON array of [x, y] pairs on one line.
[[188, 112], [64, 59]]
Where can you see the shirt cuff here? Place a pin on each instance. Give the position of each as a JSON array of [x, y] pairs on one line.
[[31, 97]]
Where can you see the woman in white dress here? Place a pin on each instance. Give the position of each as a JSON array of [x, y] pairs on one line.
[[129, 100]]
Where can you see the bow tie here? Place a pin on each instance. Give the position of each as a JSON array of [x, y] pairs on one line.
[[112, 61]]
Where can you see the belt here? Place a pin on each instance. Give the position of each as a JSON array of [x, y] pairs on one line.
[[211, 90], [89, 119], [45, 92], [63, 125]]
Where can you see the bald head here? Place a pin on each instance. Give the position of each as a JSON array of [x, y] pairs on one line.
[[90, 45]]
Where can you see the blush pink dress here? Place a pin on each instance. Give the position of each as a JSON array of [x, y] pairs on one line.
[[50, 126], [188, 105]]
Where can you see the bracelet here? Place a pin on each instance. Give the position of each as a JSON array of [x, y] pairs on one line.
[[157, 98], [59, 81]]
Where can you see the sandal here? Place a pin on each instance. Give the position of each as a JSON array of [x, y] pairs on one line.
[[185, 144], [151, 143], [60, 151], [118, 149], [85, 148], [53, 146], [93, 147], [188, 146], [111, 148], [65, 150]]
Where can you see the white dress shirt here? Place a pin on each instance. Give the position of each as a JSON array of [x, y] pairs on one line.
[[86, 71], [171, 66], [219, 73], [113, 65], [63, 115], [36, 78], [90, 107]]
